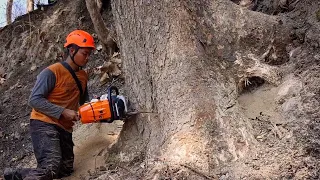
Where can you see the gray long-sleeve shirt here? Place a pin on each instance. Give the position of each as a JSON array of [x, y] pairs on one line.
[[45, 83]]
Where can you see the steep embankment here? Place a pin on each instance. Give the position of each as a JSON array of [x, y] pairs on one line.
[[30, 44]]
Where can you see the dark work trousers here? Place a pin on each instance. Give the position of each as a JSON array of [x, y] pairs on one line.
[[53, 148]]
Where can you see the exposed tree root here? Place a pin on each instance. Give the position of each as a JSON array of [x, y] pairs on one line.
[[268, 73]]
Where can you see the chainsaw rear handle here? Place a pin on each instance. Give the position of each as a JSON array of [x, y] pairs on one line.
[[111, 102]]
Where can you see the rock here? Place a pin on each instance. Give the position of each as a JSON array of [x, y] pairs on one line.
[[2, 80], [293, 53], [256, 167], [14, 159], [15, 135], [33, 67], [5, 100], [23, 125], [291, 104], [102, 168], [1, 134], [317, 57], [249, 4], [142, 165], [291, 87], [99, 47], [224, 177]]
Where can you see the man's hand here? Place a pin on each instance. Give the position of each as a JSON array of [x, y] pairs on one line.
[[70, 115]]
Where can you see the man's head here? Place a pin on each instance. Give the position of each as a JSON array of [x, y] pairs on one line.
[[79, 44]]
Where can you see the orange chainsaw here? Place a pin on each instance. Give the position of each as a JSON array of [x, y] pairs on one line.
[[104, 110]]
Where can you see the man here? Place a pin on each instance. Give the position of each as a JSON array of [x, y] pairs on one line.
[[55, 100]]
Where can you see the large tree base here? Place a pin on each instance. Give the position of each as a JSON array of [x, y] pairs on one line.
[[195, 66]]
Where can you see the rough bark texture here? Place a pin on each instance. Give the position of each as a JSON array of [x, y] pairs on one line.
[[9, 11], [187, 61]]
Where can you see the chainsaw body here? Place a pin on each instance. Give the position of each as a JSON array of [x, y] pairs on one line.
[[106, 110]]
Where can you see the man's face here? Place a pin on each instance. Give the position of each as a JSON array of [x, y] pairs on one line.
[[82, 56]]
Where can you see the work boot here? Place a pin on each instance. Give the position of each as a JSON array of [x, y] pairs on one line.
[[11, 174]]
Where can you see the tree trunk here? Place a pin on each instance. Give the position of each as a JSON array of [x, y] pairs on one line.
[[186, 63], [30, 5], [9, 11], [100, 27]]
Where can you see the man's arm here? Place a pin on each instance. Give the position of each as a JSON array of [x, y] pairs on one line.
[[45, 83]]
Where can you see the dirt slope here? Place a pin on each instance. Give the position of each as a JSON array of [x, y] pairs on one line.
[[28, 45]]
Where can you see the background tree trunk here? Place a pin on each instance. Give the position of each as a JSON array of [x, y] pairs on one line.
[[9, 11], [30, 5], [182, 63], [100, 27]]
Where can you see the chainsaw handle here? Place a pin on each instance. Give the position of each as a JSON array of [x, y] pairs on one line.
[[110, 91], [111, 100]]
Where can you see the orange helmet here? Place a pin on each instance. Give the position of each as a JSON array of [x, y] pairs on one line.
[[80, 38]]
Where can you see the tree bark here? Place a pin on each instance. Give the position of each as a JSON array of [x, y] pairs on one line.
[[30, 5], [185, 63], [9, 11], [100, 27]]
